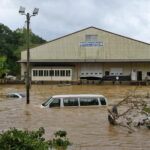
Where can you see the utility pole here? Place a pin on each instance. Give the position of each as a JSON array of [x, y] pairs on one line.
[[28, 77], [28, 61]]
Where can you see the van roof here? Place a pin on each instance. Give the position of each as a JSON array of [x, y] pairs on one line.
[[78, 95]]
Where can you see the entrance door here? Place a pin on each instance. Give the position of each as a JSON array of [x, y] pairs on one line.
[[139, 75]]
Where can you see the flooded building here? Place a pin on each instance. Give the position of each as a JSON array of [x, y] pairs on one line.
[[91, 53]]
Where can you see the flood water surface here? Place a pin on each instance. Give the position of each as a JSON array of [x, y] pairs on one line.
[[87, 127]]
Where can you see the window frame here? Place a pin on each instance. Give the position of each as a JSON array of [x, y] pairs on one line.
[[53, 101], [89, 98], [70, 105], [91, 38]]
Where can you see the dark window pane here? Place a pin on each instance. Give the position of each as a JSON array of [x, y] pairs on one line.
[[34, 72], [55, 103], [62, 72], [67, 72], [70, 102], [103, 101], [88, 101], [40, 72], [56, 72], [148, 73], [51, 72], [45, 72]]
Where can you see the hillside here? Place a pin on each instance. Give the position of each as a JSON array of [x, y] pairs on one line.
[[11, 44]]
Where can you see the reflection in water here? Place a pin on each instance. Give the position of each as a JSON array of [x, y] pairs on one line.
[[87, 127]]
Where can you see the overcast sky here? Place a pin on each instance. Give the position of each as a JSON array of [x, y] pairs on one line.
[[60, 17]]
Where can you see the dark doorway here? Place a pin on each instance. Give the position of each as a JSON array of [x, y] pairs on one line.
[[106, 73], [139, 75]]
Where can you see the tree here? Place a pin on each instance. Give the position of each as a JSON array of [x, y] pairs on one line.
[[3, 67], [12, 43]]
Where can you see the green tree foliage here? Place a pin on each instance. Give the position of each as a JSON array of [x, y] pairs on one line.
[[60, 141], [12, 43], [15, 139], [3, 66]]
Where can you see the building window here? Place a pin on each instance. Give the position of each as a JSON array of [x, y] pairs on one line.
[[56, 72], [51, 72], [40, 72], [67, 72], [35, 73], [91, 38], [148, 73], [62, 72], [45, 72]]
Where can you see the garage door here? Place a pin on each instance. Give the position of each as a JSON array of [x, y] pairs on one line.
[[91, 70], [116, 71]]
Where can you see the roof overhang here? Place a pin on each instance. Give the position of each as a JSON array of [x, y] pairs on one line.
[[82, 60]]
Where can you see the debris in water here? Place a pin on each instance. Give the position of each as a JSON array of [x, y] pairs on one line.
[[132, 112]]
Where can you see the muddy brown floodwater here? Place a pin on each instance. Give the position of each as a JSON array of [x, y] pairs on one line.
[[87, 127]]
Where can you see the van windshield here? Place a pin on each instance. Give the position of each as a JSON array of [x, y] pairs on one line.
[[47, 102]]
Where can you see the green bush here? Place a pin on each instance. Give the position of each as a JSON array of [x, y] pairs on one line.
[[15, 139], [60, 140]]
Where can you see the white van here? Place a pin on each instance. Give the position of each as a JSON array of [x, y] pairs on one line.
[[75, 100]]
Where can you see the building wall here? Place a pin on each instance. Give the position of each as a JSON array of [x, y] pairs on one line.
[[68, 47], [115, 47], [23, 70], [127, 68], [76, 70]]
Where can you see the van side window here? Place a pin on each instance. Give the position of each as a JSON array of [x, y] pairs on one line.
[[55, 103], [103, 101], [70, 102], [88, 101]]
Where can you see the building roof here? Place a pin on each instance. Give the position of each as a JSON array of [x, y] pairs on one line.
[[87, 29]]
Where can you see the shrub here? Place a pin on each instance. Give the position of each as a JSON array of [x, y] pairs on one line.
[[60, 140], [15, 139]]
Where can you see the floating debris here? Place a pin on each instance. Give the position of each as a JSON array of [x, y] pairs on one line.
[[132, 112]]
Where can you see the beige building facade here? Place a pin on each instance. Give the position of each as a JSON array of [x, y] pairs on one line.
[[90, 53]]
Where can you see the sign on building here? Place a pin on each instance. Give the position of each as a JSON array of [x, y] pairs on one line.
[[91, 44]]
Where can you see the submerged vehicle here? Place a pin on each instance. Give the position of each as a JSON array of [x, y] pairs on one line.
[[16, 95], [75, 100]]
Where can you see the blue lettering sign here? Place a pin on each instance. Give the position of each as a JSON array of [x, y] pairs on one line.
[[91, 44]]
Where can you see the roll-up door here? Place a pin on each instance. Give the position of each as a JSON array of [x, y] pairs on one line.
[[91, 70], [116, 71]]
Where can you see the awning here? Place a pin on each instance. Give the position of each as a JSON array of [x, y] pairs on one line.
[[83, 60]]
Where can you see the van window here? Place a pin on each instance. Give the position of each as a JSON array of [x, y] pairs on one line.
[[88, 101], [70, 102], [55, 103], [103, 101]]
